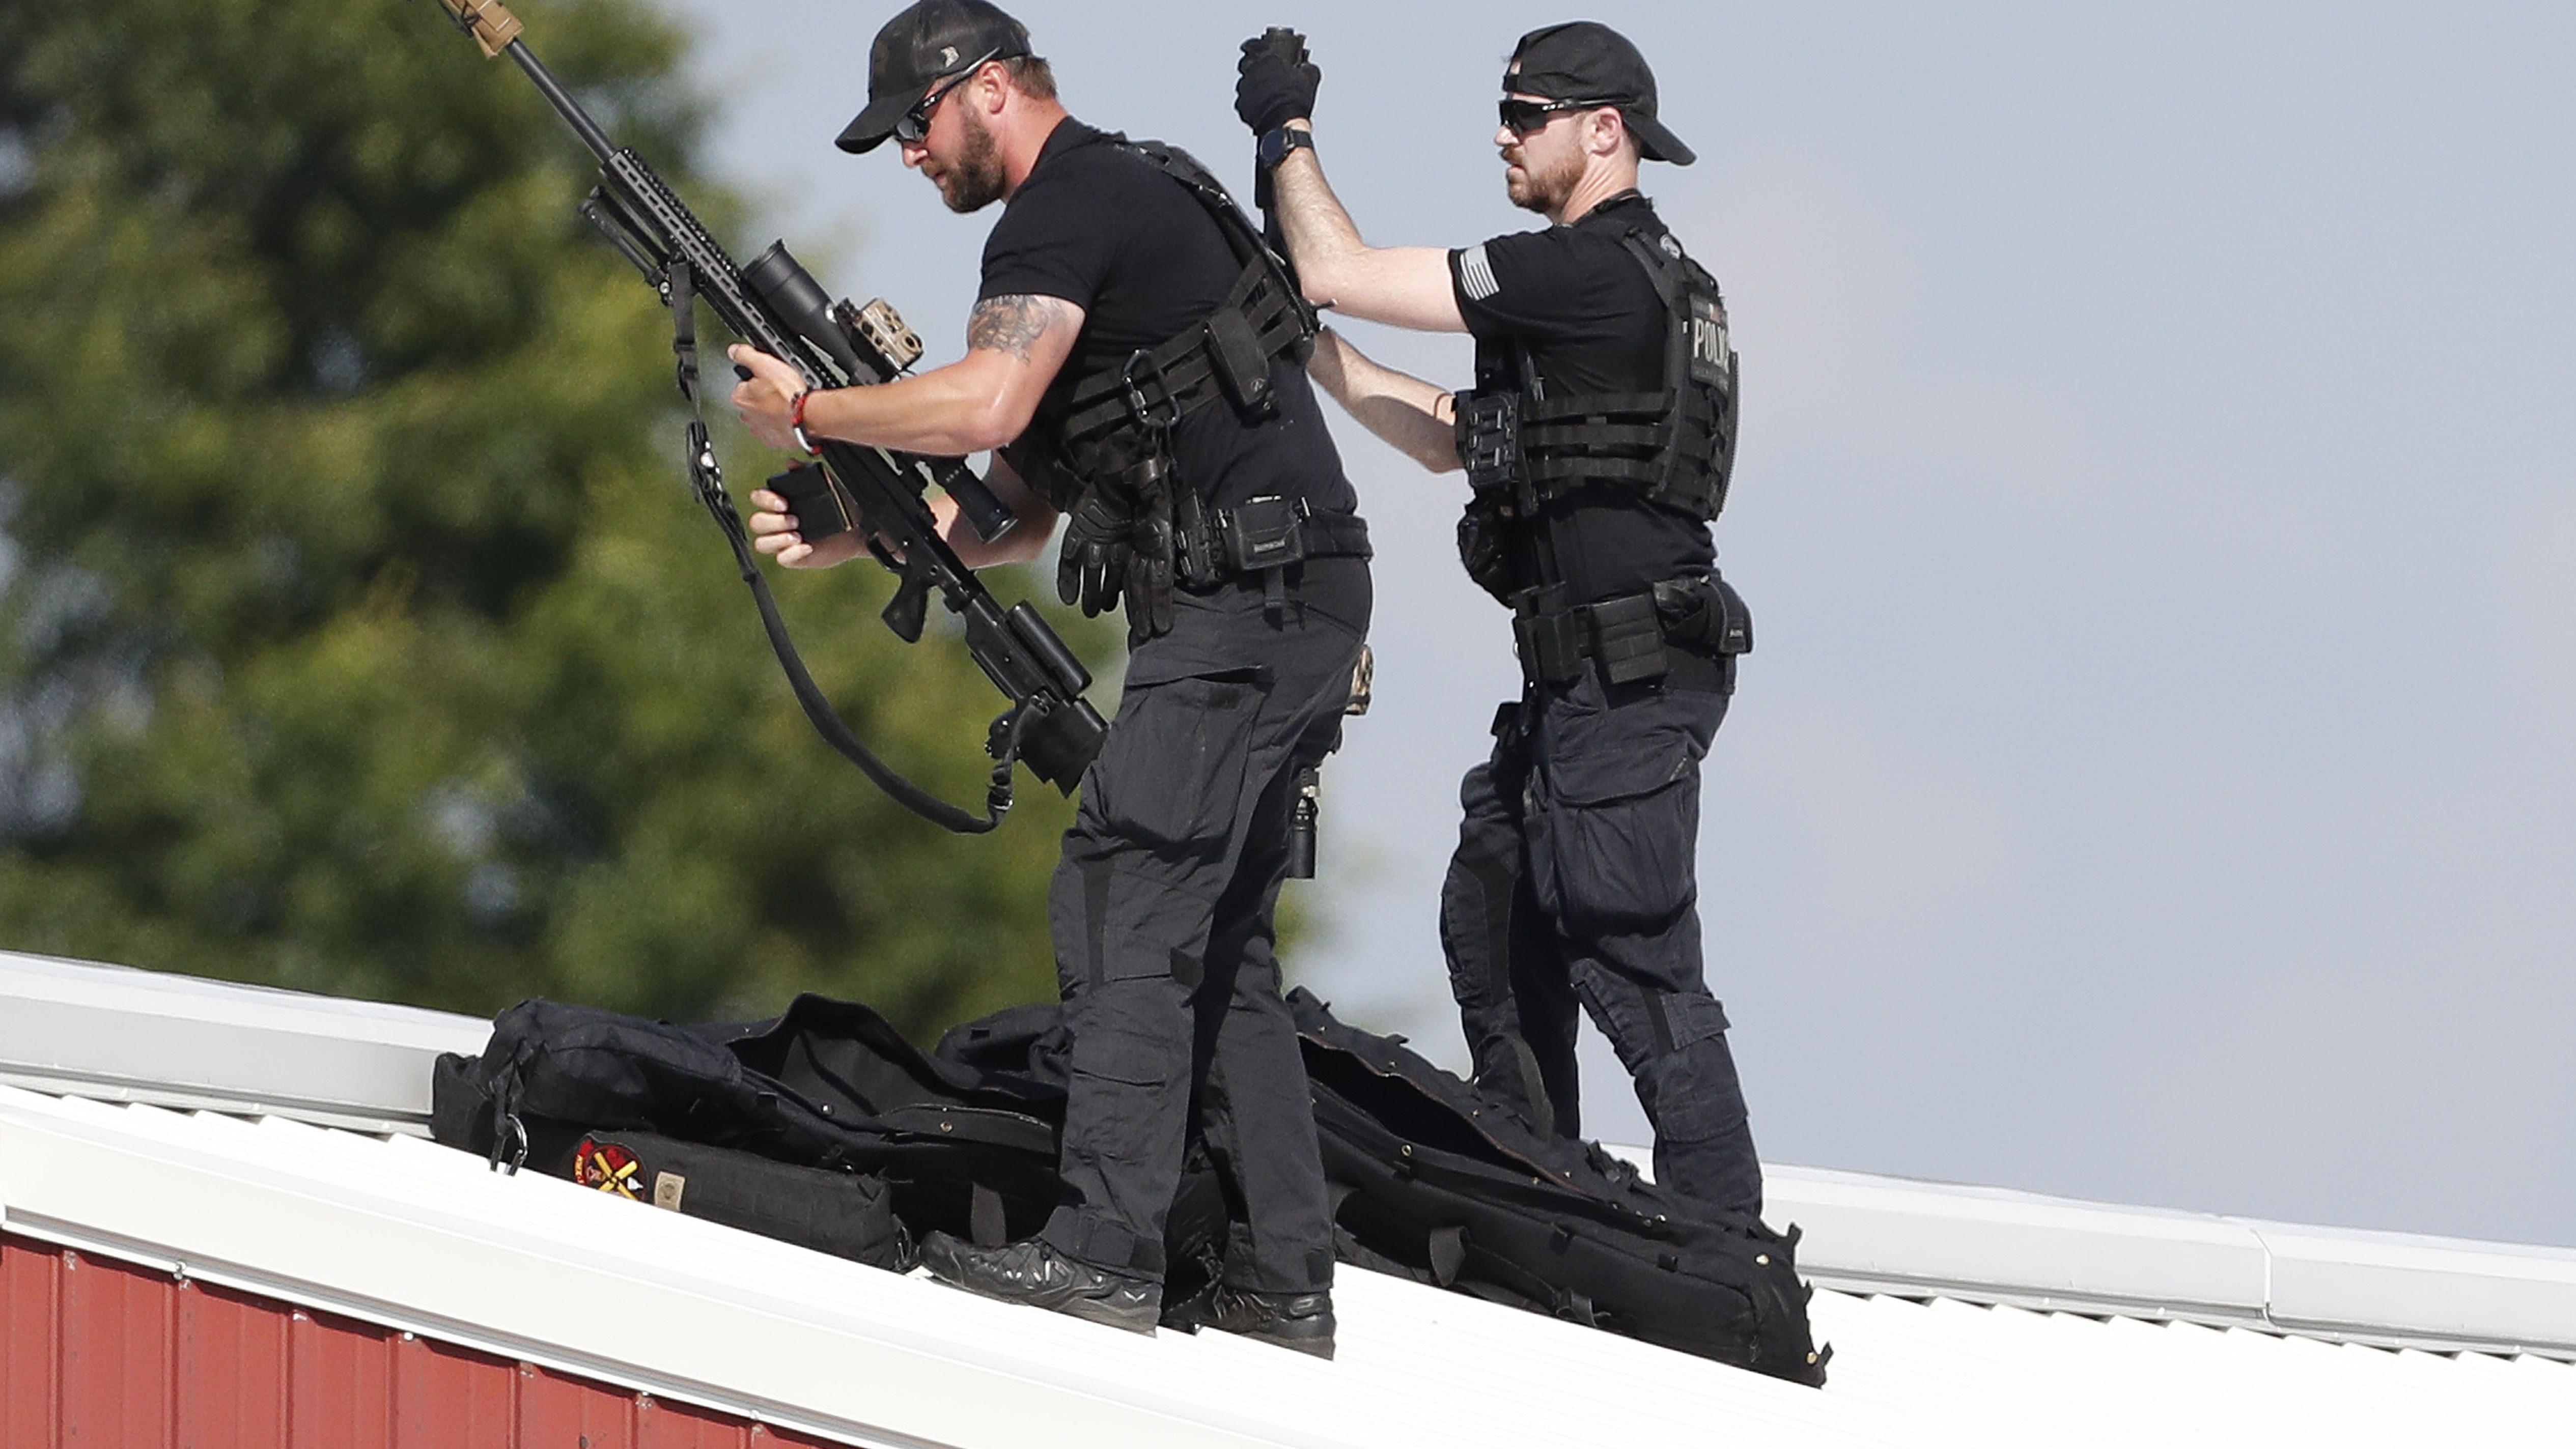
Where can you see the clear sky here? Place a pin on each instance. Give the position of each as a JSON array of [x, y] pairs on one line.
[[2155, 504]]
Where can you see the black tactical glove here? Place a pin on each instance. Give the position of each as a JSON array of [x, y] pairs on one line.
[[1118, 548], [1149, 573], [1092, 569], [1276, 81], [1481, 547]]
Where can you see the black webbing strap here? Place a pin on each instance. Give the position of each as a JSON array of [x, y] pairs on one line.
[[1447, 1250], [1592, 404], [1319, 535], [1603, 437], [985, 1225], [509, 1134], [706, 479], [1186, 365], [1585, 468]]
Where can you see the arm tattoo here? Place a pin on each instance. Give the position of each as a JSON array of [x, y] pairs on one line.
[[1011, 323]]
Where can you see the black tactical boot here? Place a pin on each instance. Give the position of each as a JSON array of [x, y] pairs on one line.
[[1031, 1272], [1302, 1321]]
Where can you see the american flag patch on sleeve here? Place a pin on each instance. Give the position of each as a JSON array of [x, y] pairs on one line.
[[1476, 274]]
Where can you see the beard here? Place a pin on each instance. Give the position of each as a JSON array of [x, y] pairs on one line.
[[976, 179], [1542, 190]]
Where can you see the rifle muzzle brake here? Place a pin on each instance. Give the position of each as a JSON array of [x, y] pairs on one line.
[[488, 21]]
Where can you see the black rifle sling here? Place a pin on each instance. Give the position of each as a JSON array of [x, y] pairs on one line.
[[706, 479]]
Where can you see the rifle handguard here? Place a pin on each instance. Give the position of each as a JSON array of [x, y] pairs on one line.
[[488, 21]]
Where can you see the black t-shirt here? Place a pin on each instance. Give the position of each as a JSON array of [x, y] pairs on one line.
[[1591, 319], [1100, 227]]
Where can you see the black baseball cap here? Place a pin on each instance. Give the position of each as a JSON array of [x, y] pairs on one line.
[[1584, 60], [930, 40]]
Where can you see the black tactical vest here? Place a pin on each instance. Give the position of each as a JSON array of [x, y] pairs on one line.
[[1118, 418], [1522, 445]]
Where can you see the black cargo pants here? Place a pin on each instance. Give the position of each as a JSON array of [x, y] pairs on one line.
[[1575, 882], [1161, 913]]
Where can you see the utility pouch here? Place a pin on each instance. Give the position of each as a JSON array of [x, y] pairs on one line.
[[1627, 638], [821, 509], [1264, 533], [1547, 635], [1484, 549], [1489, 439], [1201, 553], [1733, 633], [1242, 368], [1705, 614]]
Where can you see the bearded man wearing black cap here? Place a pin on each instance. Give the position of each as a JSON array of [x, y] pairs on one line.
[[1597, 443], [1134, 359]]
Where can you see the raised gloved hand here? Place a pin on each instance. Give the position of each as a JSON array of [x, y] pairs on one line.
[[1275, 81]]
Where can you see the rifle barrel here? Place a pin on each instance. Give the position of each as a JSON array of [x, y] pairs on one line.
[[582, 125]]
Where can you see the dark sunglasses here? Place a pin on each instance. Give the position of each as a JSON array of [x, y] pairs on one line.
[[1521, 117], [913, 126]]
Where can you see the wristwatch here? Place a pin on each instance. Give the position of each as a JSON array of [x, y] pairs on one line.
[[1276, 143]]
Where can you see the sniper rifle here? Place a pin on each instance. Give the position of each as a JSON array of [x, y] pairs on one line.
[[776, 306]]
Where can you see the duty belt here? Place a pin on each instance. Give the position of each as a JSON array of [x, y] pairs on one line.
[[1689, 626], [1258, 536]]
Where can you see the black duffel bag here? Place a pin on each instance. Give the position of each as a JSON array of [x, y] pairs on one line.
[[1431, 1179], [829, 1085], [1428, 1178]]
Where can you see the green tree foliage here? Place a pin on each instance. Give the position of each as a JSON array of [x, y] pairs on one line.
[[358, 634]]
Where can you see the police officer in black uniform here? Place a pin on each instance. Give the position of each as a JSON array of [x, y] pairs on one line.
[[1134, 356], [1597, 442]]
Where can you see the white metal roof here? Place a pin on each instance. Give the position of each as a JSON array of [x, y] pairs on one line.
[[1996, 1245], [120, 1034], [396, 1230]]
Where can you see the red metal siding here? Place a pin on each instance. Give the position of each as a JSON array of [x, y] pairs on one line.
[[30, 1350], [98, 1353]]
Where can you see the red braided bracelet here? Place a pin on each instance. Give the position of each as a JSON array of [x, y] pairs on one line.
[[796, 423]]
